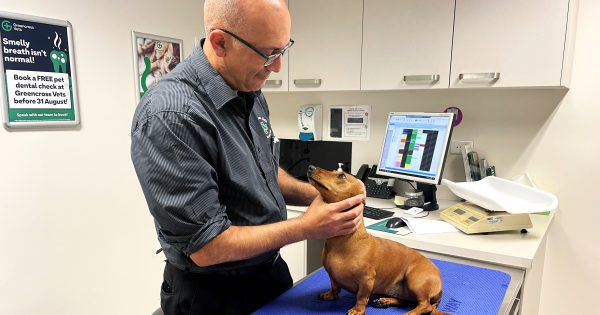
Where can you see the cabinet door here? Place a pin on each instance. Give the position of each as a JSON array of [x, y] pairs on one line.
[[508, 43], [327, 51], [295, 254], [278, 81], [407, 44]]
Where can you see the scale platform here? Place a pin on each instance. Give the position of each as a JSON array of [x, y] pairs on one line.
[[471, 219]]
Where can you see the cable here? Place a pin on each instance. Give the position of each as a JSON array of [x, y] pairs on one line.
[[426, 214], [411, 185]]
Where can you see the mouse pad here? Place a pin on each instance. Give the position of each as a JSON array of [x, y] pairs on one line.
[[467, 290], [380, 226]]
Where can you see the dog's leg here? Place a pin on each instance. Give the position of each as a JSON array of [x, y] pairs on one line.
[[331, 294], [423, 308], [435, 311], [362, 296]]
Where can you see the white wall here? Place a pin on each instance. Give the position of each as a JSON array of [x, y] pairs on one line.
[[76, 234], [502, 123], [567, 155], [550, 134], [77, 237]]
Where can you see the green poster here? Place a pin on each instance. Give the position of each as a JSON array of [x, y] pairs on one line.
[[37, 72]]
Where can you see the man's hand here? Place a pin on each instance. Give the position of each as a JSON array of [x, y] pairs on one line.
[[324, 220]]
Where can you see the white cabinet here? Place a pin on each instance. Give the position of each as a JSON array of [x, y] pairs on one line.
[[519, 42], [295, 254], [406, 44], [327, 50], [411, 44], [278, 81]]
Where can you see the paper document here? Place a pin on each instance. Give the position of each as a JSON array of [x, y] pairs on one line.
[[425, 226]]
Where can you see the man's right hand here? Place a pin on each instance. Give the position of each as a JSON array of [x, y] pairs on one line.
[[324, 220]]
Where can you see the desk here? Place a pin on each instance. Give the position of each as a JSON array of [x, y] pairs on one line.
[[509, 251]]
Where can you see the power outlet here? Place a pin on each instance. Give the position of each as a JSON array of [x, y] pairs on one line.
[[456, 146]]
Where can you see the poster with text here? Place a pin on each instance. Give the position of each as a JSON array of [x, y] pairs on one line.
[[350, 122], [37, 71]]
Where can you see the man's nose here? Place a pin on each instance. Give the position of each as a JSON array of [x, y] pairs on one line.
[[276, 65]]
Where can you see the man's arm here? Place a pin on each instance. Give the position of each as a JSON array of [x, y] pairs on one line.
[[295, 192], [321, 220]]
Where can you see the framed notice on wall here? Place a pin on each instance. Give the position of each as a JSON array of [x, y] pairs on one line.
[[37, 72], [153, 57]]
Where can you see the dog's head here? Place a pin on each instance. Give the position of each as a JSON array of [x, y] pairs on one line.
[[334, 186]]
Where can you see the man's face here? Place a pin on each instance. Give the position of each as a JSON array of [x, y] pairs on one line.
[[245, 67]]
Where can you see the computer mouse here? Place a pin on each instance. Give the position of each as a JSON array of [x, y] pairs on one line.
[[395, 222]]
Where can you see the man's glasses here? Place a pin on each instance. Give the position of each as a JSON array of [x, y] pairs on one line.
[[269, 59]]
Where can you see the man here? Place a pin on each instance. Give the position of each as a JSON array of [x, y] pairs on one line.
[[207, 161]]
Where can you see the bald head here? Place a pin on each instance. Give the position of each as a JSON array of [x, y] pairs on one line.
[[241, 34], [239, 15]]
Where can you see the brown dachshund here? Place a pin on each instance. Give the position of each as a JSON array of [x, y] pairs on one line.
[[365, 265]]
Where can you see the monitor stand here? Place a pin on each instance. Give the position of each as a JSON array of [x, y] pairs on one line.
[[429, 197]]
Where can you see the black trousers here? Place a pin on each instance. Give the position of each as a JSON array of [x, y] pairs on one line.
[[191, 293]]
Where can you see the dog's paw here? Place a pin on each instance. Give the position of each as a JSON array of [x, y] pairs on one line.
[[380, 303], [328, 296], [356, 311]]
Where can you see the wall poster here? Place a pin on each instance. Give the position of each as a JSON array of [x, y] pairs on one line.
[[37, 72], [153, 57]]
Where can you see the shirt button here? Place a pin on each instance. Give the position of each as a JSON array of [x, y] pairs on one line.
[[258, 150]]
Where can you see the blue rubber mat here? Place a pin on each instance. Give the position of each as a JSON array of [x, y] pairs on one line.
[[467, 289]]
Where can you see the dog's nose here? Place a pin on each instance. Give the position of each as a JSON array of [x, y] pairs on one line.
[[311, 168]]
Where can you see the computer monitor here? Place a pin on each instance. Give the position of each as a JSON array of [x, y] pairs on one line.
[[296, 155], [414, 149]]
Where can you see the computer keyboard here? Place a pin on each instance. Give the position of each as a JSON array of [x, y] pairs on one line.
[[382, 190], [376, 213]]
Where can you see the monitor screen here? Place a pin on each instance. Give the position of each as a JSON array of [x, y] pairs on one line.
[[415, 146], [295, 156]]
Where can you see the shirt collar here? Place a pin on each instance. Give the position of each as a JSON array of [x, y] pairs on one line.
[[216, 88]]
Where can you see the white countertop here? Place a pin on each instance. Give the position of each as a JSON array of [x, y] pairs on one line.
[[509, 248]]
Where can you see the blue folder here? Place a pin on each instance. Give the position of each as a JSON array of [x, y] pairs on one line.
[[467, 290]]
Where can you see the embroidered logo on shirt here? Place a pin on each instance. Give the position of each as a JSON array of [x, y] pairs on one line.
[[264, 123]]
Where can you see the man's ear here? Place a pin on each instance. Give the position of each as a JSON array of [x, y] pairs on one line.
[[217, 42]]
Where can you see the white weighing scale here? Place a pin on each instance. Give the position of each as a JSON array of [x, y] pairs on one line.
[[471, 218], [495, 204]]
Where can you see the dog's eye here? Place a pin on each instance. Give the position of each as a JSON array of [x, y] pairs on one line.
[[341, 176]]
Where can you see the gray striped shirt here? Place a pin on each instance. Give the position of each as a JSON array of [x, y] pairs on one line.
[[205, 159]]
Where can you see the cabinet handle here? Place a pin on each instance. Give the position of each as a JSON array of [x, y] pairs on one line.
[[307, 82], [421, 77], [273, 83], [485, 76]]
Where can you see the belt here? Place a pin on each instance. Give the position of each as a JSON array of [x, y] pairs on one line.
[[245, 270]]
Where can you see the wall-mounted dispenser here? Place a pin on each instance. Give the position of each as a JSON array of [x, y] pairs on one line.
[[310, 122]]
